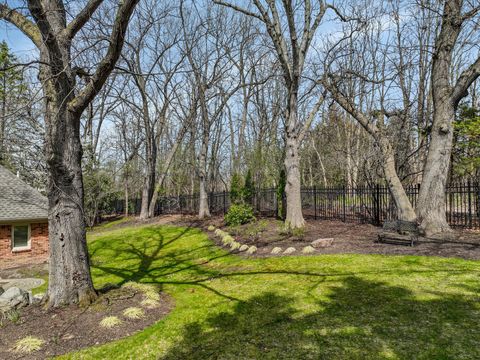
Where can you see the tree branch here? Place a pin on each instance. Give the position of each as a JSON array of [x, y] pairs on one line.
[[239, 9], [22, 23], [81, 19], [465, 80], [107, 64]]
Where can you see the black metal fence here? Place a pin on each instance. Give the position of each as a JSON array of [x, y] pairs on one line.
[[365, 204]]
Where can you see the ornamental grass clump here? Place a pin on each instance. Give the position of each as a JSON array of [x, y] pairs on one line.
[[110, 322], [28, 344], [227, 240], [133, 313], [251, 250], [276, 250], [149, 303], [220, 233], [243, 248], [211, 228], [234, 245]]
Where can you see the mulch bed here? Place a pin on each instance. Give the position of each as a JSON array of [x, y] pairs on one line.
[[72, 328], [348, 238]]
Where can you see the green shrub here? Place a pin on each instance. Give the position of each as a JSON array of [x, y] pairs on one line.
[[239, 214], [249, 188], [236, 189]]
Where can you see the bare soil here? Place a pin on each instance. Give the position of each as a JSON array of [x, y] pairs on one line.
[[72, 328]]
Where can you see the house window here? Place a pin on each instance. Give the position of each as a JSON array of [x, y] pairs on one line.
[[21, 237]]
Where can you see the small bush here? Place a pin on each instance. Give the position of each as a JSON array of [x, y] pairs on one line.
[[28, 344], [239, 214], [110, 321]]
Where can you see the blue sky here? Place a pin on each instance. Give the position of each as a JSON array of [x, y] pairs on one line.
[[20, 45]]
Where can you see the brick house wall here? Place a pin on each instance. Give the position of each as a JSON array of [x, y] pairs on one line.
[[37, 253]]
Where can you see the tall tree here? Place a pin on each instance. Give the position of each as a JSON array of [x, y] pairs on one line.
[[291, 47], [446, 96], [45, 23]]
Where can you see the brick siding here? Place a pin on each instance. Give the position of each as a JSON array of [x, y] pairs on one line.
[[37, 253]]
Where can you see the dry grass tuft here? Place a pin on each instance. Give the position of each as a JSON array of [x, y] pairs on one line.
[[276, 250], [234, 245], [133, 313], [211, 228], [308, 250], [28, 344], [243, 248], [251, 250], [149, 303], [289, 250], [110, 321]]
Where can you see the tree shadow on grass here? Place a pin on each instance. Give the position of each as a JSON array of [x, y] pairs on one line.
[[150, 261], [360, 319]]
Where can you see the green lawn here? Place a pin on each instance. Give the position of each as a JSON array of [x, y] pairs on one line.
[[318, 307]]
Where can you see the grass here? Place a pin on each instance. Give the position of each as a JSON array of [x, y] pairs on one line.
[[316, 307]]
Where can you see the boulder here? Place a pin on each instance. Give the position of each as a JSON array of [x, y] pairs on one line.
[[14, 298], [321, 243]]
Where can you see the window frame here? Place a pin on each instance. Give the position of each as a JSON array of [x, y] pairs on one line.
[[29, 242]]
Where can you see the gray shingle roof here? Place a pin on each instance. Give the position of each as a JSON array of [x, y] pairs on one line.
[[19, 201]]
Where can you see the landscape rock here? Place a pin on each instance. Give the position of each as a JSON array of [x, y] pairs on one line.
[[277, 250], [289, 250], [13, 298], [308, 250], [37, 298], [321, 243]]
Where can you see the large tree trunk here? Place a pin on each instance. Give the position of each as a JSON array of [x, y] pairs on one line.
[[148, 184], [294, 217], [69, 268], [431, 200]]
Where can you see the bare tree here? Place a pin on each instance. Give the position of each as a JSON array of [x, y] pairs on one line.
[[291, 50], [446, 96], [69, 277]]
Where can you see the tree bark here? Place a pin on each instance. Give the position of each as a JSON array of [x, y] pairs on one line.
[[294, 217]]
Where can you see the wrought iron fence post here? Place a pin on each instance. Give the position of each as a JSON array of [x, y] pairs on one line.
[[469, 189], [344, 203], [315, 200], [377, 205]]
